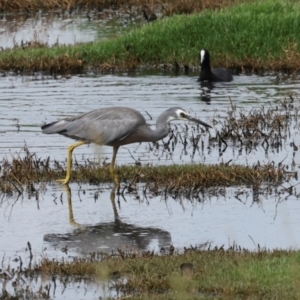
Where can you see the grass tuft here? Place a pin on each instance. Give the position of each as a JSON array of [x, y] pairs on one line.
[[30, 169]]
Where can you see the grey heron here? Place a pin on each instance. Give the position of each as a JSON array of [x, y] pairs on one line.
[[208, 74], [114, 126]]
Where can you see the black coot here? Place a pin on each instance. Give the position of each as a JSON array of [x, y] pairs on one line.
[[208, 74]]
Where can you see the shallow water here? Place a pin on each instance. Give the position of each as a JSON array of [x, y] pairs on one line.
[[57, 227], [226, 216], [62, 28], [29, 102], [61, 288]]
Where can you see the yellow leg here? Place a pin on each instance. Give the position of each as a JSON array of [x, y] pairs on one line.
[[112, 166], [69, 162]]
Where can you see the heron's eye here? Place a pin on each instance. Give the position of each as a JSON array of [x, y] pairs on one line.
[[182, 115]]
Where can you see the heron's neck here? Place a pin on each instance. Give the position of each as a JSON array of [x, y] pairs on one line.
[[152, 135], [161, 131]]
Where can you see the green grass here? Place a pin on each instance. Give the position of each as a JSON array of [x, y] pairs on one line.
[[216, 274], [257, 30], [260, 34]]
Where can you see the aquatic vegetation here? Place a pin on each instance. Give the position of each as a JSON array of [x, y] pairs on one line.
[[31, 170], [202, 270]]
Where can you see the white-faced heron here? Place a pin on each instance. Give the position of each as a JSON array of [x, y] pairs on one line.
[[114, 126], [206, 74]]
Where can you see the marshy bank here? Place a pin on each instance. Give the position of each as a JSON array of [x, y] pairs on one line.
[[168, 7], [199, 272], [272, 43]]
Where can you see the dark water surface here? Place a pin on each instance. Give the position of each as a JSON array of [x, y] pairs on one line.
[[88, 221]]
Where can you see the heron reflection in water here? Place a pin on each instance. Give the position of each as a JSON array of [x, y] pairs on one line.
[[107, 236], [114, 126]]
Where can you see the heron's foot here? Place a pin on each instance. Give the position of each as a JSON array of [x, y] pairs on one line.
[[63, 181]]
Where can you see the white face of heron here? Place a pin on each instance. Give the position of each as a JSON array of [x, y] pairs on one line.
[[180, 115], [202, 53]]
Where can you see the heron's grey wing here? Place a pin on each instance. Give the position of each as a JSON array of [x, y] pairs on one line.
[[102, 126], [108, 131]]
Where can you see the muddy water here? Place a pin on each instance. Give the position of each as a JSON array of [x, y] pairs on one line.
[[87, 220]]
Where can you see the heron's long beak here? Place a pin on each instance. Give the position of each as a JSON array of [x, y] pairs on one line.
[[197, 121]]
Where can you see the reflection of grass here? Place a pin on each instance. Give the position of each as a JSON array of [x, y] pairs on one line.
[[256, 35], [215, 274]]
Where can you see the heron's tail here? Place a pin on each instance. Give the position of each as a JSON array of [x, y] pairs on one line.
[[55, 127]]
